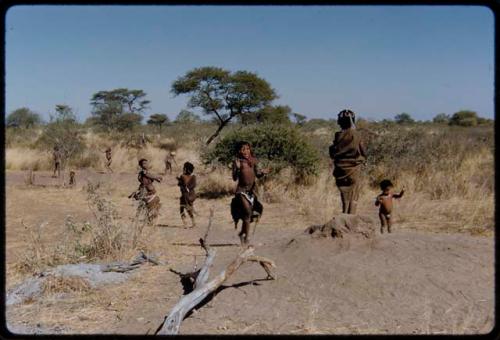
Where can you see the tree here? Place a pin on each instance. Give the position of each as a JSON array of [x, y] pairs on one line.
[[119, 109], [278, 146], [186, 117], [224, 94], [403, 118], [464, 118], [299, 119], [441, 118], [62, 131], [158, 119], [268, 114], [23, 118]]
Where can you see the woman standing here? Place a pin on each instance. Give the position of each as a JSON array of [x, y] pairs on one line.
[[348, 154]]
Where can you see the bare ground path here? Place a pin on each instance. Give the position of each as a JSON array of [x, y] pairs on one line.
[[405, 282]]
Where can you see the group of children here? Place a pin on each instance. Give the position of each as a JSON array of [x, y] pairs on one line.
[[244, 206], [147, 192], [347, 152]]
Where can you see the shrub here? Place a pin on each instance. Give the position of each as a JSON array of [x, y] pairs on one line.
[[464, 118], [277, 146]]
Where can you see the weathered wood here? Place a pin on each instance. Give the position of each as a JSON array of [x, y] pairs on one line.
[[202, 289]]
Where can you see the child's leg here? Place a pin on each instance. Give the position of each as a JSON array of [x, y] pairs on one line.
[[383, 222], [389, 224], [246, 216], [190, 210], [182, 208]]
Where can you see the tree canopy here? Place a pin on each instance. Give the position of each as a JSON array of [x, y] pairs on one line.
[[403, 118], [224, 94], [441, 118], [186, 117], [23, 118], [268, 114], [158, 119], [119, 109], [464, 118]]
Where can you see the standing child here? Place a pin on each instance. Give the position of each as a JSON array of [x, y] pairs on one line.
[[169, 158], [187, 184], [108, 159], [245, 205], [146, 191], [384, 200], [56, 155]]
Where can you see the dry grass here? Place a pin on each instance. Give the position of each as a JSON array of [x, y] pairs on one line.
[[17, 158], [216, 184], [67, 284]]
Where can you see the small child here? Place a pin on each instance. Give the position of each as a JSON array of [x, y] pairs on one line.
[[245, 205], [187, 184], [384, 200], [146, 191], [169, 158]]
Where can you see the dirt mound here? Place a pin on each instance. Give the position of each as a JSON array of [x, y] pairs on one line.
[[399, 283], [345, 224]]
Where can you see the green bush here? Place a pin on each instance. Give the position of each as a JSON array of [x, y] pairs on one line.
[[464, 118], [276, 146]]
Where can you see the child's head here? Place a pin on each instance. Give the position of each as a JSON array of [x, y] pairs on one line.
[[56, 148], [386, 185], [244, 149], [108, 149], [188, 168], [346, 119], [143, 163]]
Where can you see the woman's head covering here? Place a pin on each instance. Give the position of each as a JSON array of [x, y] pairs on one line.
[[346, 119]]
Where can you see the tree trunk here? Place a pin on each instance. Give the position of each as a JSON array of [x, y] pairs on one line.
[[219, 129]]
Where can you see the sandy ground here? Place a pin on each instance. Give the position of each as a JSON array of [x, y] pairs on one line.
[[406, 282]]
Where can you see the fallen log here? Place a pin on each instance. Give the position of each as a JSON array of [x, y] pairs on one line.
[[202, 288], [121, 267]]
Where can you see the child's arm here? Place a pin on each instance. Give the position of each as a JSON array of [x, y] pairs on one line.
[[154, 177], [236, 169], [400, 194], [258, 172], [377, 201]]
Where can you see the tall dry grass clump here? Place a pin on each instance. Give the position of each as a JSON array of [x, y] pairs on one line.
[[218, 183], [19, 158]]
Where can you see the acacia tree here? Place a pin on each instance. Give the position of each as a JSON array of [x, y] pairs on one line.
[[269, 114], [186, 117], [158, 119], [224, 94], [23, 118], [119, 109], [403, 118]]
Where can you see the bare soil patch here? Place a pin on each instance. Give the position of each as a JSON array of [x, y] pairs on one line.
[[406, 282]]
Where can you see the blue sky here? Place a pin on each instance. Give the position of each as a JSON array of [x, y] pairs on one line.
[[377, 60]]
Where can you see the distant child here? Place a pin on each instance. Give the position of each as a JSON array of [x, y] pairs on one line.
[[146, 191], [245, 205], [57, 155], [72, 179], [108, 159], [169, 158], [187, 184], [384, 200]]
